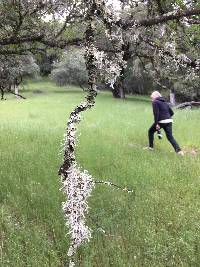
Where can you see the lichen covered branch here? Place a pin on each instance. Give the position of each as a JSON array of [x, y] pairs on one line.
[[78, 184]]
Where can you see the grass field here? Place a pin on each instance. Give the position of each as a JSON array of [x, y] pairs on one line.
[[157, 226]]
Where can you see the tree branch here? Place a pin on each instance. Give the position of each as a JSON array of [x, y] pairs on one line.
[[160, 19], [125, 189], [189, 62], [194, 21], [62, 43], [16, 94], [22, 39]]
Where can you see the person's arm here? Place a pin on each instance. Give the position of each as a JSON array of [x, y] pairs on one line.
[[171, 112], [155, 112]]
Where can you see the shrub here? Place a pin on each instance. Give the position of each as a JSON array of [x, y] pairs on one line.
[[71, 69]]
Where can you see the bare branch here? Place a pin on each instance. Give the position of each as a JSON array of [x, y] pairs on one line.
[[11, 92], [125, 189]]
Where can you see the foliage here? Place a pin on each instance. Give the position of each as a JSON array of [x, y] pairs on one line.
[[26, 24], [29, 67], [46, 59], [168, 49], [15, 67], [35, 26], [185, 92], [71, 69], [137, 81]]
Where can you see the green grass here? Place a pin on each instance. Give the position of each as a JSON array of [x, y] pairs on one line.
[[157, 226]]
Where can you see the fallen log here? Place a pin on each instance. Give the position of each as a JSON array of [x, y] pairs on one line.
[[188, 105]]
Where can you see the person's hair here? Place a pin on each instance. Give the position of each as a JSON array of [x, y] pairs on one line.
[[155, 94]]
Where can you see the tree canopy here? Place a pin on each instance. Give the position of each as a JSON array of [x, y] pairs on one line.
[[162, 35]]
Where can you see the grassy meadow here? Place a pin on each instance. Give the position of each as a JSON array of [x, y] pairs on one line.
[[158, 225]]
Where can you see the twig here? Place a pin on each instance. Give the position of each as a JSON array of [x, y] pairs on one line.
[[125, 189]]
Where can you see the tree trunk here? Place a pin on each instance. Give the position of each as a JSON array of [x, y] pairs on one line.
[[172, 97], [118, 89], [115, 93], [2, 93], [121, 92], [16, 89]]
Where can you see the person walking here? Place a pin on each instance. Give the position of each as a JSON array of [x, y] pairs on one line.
[[162, 120]]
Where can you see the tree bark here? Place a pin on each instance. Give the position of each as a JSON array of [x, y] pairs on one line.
[[2, 93], [160, 19], [16, 89], [172, 97], [189, 105], [118, 89]]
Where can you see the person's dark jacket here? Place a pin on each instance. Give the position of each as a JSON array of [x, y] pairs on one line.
[[161, 110]]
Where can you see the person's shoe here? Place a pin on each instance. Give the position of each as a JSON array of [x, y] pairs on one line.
[[148, 148], [180, 153]]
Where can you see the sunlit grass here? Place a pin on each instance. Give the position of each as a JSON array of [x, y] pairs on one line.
[[157, 226]]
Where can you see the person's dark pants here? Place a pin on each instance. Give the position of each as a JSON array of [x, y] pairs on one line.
[[167, 127]]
